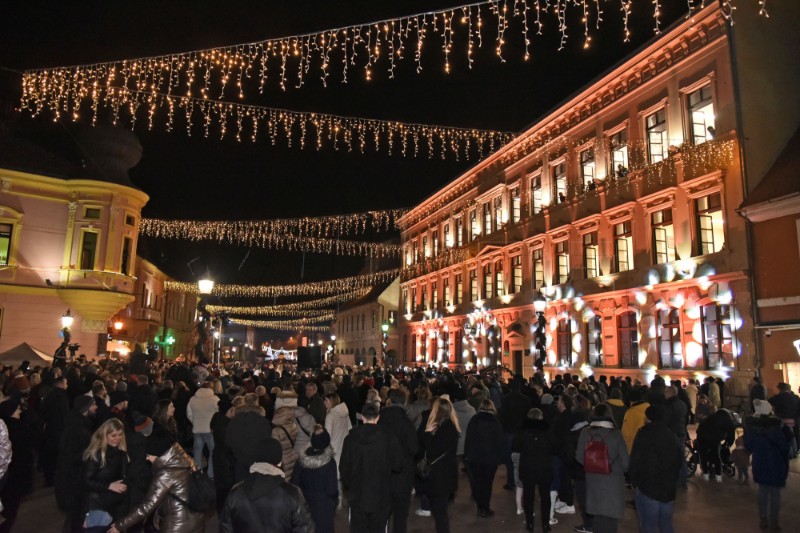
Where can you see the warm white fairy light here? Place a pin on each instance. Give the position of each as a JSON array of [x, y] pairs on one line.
[[300, 289], [291, 309], [283, 325]]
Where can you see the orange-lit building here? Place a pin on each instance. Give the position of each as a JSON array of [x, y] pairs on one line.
[[620, 208]]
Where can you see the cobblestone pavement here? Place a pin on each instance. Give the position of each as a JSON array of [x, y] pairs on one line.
[[703, 506]]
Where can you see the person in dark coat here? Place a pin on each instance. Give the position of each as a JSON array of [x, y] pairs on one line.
[[105, 466], [786, 405], [439, 444], [222, 457], [23, 434], [369, 456], [484, 451], [143, 398], [769, 441], [394, 418], [246, 428], [265, 501], [140, 471], [55, 409], [676, 416], [654, 467], [313, 403], [710, 432], [76, 437], [536, 447], [317, 475], [349, 397], [140, 362], [512, 413]]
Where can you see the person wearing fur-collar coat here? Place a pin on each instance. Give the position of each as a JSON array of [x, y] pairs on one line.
[[316, 474]]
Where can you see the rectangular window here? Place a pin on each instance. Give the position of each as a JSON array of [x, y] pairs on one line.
[[498, 213], [516, 274], [538, 269], [587, 169], [487, 218], [536, 194], [499, 286], [425, 249], [415, 245], [89, 241], [435, 239], [130, 220], [459, 289], [92, 213], [623, 246], [487, 281], [618, 144], [459, 231], [558, 173], [446, 287], [591, 267], [405, 301], [473, 285], [710, 224], [669, 338], [127, 246], [413, 299], [434, 295], [425, 297], [701, 115], [656, 128], [448, 240], [562, 262], [663, 236], [6, 232], [717, 335], [594, 340], [628, 340], [564, 342], [474, 230], [516, 206], [408, 255]]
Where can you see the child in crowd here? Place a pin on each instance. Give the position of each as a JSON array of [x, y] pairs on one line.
[[741, 458]]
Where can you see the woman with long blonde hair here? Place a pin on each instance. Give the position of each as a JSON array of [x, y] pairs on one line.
[[105, 465], [440, 444]]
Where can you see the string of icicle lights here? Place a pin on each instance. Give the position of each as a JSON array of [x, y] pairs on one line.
[[283, 325], [232, 71], [292, 128], [291, 309], [339, 285]]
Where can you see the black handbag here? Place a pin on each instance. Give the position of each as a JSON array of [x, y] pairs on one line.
[[424, 467]]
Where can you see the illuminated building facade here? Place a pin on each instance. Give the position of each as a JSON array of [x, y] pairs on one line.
[[620, 208]]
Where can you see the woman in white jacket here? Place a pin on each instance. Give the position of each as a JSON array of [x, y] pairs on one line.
[[201, 408], [337, 423]]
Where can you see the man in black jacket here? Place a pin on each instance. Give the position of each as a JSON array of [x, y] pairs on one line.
[[265, 501], [369, 456], [54, 415], [511, 415], [675, 418], [68, 479], [655, 463], [394, 419]]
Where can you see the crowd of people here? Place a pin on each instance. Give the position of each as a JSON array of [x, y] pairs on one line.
[[122, 443]]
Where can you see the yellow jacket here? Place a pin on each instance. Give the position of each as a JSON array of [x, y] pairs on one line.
[[634, 420]]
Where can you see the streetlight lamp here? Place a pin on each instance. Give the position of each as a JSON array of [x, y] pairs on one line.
[[204, 286], [539, 307], [384, 341], [60, 357]]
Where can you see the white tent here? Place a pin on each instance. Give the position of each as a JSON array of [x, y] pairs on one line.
[[25, 352]]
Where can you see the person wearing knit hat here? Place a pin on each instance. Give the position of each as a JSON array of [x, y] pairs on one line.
[[769, 441], [142, 424], [119, 399], [316, 475], [84, 404], [265, 501]]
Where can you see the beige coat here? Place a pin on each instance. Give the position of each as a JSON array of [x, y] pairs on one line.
[[285, 431]]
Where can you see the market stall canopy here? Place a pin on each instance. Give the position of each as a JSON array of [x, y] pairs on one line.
[[25, 352]]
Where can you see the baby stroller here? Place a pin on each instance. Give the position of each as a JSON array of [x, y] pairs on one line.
[[693, 458]]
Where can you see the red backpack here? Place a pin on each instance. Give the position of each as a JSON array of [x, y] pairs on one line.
[[595, 456]]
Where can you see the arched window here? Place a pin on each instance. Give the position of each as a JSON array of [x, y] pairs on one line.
[[628, 333], [594, 340], [670, 348], [564, 342]]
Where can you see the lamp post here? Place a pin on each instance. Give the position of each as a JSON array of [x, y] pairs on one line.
[[539, 306], [384, 340], [60, 356], [204, 286]]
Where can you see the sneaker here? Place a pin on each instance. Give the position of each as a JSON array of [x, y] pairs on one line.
[[422, 512], [582, 529], [565, 509], [705, 477], [520, 510], [553, 521], [559, 504], [718, 479]]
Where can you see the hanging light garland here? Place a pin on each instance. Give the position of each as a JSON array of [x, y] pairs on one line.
[[253, 236], [324, 226], [230, 71], [266, 310], [290, 309], [283, 325], [339, 285], [294, 129]]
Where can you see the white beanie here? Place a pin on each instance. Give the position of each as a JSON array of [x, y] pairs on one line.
[[762, 407]]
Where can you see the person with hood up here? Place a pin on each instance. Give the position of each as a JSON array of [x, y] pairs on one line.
[[247, 427], [655, 465], [394, 418], [769, 441], [284, 428], [536, 446], [369, 456], [265, 501], [316, 473], [199, 411], [168, 492], [605, 493], [76, 438], [338, 426]]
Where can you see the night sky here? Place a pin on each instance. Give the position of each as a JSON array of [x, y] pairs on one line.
[[199, 178]]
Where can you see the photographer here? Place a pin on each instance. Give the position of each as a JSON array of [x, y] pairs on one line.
[[140, 360]]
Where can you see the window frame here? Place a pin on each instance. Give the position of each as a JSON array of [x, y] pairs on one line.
[[562, 271], [629, 348], [594, 359], [701, 214], [594, 246], [661, 128], [558, 176], [537, 260], [724, 319], [537, 196], [662, 225], [624, 236], [83, 233], [672, 338], [516, 274], [564, 342]]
